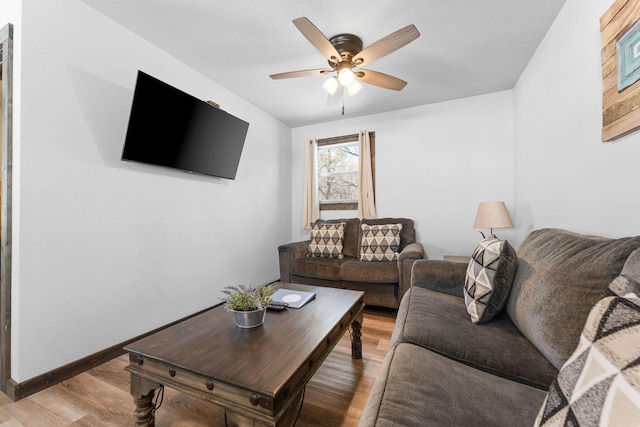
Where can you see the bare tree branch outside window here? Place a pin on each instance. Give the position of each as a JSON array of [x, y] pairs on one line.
[[338, 177]]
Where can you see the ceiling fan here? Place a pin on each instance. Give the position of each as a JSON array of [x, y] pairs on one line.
[[345, 54]]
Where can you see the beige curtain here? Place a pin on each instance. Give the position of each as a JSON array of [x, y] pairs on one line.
[[311, 207], [366, 204]]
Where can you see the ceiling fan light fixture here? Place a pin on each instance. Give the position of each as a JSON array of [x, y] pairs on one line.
[[345, 52], [331, 85], [354, 87], [345, 76]]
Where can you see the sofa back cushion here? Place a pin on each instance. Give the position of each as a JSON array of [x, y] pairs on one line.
[[407, 234], [631, 268], [351, 241], [560, 276]]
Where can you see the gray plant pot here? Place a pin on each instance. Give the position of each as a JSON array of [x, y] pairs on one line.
[[249, 319]]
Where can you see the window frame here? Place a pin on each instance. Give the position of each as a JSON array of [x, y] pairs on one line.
[[348, 206]]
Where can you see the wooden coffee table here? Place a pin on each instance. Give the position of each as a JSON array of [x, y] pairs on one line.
[[258, 375]]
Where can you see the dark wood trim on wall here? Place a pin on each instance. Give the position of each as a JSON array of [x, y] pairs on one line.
[[17, 391], [338, 140], [339, 206], [6, 58]]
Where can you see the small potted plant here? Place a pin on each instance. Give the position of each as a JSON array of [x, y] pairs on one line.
[[248, 303]]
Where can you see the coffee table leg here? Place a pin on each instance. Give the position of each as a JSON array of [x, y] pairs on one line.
[[142, 391], [356, 337]]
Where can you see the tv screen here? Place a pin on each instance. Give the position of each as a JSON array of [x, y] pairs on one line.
[[168, 127]]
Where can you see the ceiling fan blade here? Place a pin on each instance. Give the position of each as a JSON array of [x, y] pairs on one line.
[[319, 40], [336, 97], [301, 73], [387, 45], [380, 79]]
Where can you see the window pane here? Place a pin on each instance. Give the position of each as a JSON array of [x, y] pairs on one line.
[[338, 158], [338, 172], [338, 188]]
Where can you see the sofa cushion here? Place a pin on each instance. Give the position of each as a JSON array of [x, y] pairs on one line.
[[417, 387], [407, 234], [326, 240], [600, 383], [321, 268], [440, 323], [489, 278], [560, 276], [380, 242], [374, 272], [351, 241]]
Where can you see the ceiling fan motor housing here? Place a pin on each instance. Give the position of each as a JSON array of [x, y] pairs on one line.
[[348, 45]]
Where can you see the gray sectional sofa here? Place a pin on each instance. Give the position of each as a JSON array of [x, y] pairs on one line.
[[444, 370], [383, 282]]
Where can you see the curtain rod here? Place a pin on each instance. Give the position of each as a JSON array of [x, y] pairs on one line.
[[339, 139]]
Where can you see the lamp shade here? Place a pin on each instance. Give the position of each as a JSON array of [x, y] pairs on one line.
[[492, 215]]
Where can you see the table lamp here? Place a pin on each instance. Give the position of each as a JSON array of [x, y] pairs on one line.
[[492, 215]]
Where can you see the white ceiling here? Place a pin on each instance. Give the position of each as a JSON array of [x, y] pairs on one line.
[[466, 47]]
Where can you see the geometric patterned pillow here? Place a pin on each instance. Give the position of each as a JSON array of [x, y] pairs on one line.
[[489, 278], [600, 383], [380, 242], [326, 240]]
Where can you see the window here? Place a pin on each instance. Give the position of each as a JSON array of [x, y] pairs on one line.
[[338, 172]]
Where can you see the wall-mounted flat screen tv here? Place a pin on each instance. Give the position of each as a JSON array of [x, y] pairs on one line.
[[168, 127]]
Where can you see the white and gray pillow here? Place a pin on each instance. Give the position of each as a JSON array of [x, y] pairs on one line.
[[489, 278], [380, 242], [327, 240], [599, 385]]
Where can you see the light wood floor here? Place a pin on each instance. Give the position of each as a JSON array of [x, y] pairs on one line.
[[335, 396]]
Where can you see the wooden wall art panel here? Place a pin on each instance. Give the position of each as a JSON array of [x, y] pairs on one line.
[[620, 34]]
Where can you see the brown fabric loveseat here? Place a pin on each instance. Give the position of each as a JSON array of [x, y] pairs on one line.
[[444, 370], [383, 282]]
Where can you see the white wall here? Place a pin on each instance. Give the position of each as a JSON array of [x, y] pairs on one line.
[[564, 175], [434, 164], [109, 250], [10, 12]]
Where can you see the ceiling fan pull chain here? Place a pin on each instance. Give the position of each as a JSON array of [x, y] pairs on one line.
[[343, 105]]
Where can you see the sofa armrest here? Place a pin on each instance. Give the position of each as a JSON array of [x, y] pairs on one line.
[[287, 253], [442, 276], [406, 258]]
